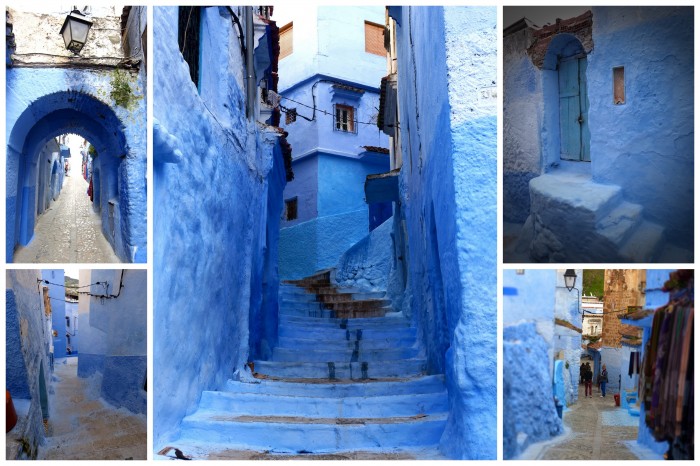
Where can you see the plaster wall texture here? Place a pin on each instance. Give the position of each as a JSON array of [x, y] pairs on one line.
[[50, 175], [58, 310], [567, 342], [522, 120], [616, 361], [46, 102], [94, 340], [445, 56], [27, 346], [305, 188], [317, 49], [368, 263], [121, 322], [211, 171], [646, 145]]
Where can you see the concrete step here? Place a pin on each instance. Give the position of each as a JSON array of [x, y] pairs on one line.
[[356, 353], [388, 405], [292, 434], [342, 370], [287, 297], [341, 389], [340, 345], [644, 243], [338, 334], [621, 222], [318, 311], [395, 321]]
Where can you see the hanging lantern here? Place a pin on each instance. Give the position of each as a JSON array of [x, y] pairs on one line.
[[75, 31]]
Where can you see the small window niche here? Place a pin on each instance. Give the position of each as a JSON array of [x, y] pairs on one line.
[[619, 85], [290, 209]]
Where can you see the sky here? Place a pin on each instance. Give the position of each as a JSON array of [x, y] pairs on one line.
[[72, 272], [540, 15]]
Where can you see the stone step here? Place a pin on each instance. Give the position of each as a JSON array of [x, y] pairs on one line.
[[339, 334], [290, 434], [356, 353], [342, 370], [336, 314], [388, 405], [340, 345], [331, 297], [394, 320], [671, 254], [644, 243], [621, 222], [341, 389]]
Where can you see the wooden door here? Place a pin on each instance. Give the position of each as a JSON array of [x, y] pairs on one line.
[[573, 109]]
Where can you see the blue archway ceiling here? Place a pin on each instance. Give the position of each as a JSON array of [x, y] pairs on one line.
[[68, 112]]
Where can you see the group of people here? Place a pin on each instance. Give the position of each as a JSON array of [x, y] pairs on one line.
[[586, 375]]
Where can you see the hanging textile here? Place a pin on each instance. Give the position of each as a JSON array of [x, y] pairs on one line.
[[666, 382], [634, 363]]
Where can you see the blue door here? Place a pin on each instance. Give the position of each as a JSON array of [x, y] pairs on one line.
[[573, 109]]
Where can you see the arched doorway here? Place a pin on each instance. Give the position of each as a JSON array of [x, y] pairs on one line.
[[566, 101], [84, 115]]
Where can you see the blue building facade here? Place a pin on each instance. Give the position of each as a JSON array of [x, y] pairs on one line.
[[329, 97], [104, 102], [219, 174], [57, 296], [114, 334], [611, 151]]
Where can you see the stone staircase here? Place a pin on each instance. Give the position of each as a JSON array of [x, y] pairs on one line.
[[347, 375], [574, 219]]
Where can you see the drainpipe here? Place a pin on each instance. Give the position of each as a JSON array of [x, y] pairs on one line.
[[250, 64]]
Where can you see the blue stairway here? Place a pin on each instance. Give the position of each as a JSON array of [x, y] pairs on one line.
[[347, 376]]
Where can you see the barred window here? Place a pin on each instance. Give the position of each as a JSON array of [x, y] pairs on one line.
[[290, 209], [344, 118], [290, 116]]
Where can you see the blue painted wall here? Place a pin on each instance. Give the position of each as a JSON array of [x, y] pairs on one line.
[[57, 294], [648, 141], [528, 353], [44, 103], [113, 332], [448, 141], [72, 313], [329, 169], [28, 369], [216, 185]]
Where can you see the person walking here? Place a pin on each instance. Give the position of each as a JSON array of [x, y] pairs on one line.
[[588, 381], [603, 380]]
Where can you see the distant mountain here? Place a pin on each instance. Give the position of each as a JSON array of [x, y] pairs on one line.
[[71, 287]]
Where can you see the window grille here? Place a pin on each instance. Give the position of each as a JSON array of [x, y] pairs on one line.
[[290, 116], [344, 119]]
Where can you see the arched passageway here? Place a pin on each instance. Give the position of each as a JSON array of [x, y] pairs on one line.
[[120, 200]]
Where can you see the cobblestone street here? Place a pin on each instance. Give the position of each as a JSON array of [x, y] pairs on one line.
[[82, 426], [596, 430], [68, 231]]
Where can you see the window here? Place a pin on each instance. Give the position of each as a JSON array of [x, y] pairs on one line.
[[286, 40], [67, 321], [619, 85], [290, 116], [344, 118], [374, 39], [188, 39], [290, 209]]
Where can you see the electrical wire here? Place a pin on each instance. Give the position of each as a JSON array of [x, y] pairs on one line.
[[284, 109], [64, 286]]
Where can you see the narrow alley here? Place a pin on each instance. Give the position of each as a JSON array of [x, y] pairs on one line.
[[596, 430], [69, 231], [82, 426]]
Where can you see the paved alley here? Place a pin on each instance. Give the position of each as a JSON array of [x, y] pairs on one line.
[[82, 426], [596, 430], [68, 231]]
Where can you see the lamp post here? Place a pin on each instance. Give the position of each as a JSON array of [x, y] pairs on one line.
[[570, 284], [75, 31]]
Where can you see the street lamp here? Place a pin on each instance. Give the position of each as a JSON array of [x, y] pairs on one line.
[[570, 279], [75, 30]]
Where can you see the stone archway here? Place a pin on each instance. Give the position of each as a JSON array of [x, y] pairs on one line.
[[121, 157]]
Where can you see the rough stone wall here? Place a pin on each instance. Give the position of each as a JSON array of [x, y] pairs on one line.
[[646, 145], [522, 117], [448, 140], [622, 289], [27, 345], [367, 264], [210, 209]]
